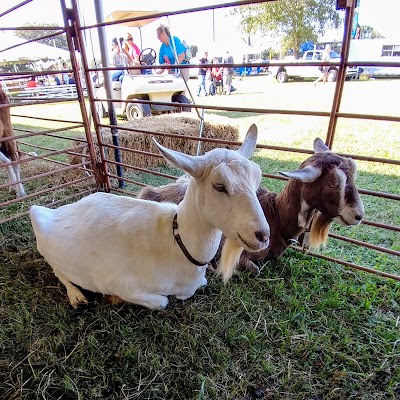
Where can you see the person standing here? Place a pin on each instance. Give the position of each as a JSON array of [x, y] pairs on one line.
[[31, 83], [326, 56], [172, 51], [228, 73], [65, 75], [202, 74], [216, 78]]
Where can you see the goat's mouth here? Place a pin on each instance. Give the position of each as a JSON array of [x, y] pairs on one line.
[[340, 219], [253, 247]]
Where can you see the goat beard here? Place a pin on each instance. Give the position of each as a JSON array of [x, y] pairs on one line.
[[230, 255], [319, 230]]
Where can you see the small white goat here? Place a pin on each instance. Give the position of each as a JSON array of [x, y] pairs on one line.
[[135, 249], [8, 148]]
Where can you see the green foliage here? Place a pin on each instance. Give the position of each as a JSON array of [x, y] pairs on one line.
[[303, 329], [293, 22], [269, 54], [59, 41], [370, 32]]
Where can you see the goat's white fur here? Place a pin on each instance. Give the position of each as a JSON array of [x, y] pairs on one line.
[[124, 247], [14, 176], [230, 256]]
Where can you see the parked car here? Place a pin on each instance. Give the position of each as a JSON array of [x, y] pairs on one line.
[[284, 73]]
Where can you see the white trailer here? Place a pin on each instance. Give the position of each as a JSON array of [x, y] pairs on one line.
[[376, 50]]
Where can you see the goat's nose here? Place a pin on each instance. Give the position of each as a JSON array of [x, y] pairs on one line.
[[358, 217], [262, 236]]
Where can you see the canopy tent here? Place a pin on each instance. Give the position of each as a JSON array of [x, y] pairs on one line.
[[121, 15], [126, 14], [29, 51]]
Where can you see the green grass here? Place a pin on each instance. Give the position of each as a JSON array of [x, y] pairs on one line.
[[303, 329]]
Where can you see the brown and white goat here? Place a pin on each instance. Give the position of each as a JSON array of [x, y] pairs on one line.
[[8, 148], [321, 191]]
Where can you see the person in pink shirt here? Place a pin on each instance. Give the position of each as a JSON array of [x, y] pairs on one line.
[[132, 52]]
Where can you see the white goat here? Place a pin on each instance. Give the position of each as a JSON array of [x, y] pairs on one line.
[[8, 148], [132, 248]]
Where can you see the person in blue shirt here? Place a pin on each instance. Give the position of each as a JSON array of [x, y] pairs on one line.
[[203, 74], [171, 45]]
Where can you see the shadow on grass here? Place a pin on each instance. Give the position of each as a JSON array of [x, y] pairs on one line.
[[235, 114]]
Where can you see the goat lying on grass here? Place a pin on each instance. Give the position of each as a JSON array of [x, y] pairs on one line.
[[142, 251], [8, 148], [321, 191]]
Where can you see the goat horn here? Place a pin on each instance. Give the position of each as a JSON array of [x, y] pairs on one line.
[[306, 174], [250, 142]]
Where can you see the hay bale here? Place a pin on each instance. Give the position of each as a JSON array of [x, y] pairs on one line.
[[175, 124]]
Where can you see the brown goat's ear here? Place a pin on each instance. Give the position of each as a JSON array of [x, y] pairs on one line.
[[320, 146], [306, 174]]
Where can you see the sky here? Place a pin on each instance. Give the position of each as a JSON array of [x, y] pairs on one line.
[[212, 31]]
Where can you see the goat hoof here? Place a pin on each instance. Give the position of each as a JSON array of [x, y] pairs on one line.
[[113, 299], [76, 298], [249, 266]]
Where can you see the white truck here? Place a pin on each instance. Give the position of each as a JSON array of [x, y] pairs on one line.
[[284, 73]]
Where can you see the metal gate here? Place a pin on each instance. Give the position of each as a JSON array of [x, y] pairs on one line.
[[59, 166]]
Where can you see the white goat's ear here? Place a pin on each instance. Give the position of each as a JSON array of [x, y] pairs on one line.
[[185, 162], [306, 174], [320, 146], [250, 142]]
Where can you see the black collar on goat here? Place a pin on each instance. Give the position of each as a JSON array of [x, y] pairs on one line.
[[322, 190]]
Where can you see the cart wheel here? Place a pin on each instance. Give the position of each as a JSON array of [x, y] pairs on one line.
[[135, 111], [180, 98], [282, 77]]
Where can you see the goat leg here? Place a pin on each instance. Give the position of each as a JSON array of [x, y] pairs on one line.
[[113, 299], [246, 265], [75, 296]]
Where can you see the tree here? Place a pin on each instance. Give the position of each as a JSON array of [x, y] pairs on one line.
[[59, 41], [269, 54], [292, 22], [368, 32]]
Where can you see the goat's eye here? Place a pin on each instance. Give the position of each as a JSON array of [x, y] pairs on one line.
[[333, 183], [220, 188]]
